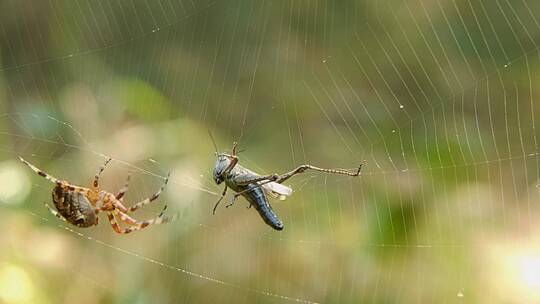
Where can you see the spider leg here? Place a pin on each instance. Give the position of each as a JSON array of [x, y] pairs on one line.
[[150, 199], [98, 173], [55, 213], [118, 205], [124, 189], [160, 219], [220, 199], [134, 224], [40, 173], [114, 223]]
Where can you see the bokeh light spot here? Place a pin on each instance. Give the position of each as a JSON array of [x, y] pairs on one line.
[[14, 183], [15, 285]]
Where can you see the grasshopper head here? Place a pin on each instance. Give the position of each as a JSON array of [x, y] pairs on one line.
[[221, 167]]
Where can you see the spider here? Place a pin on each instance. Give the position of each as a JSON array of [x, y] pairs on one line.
[[80, 206]]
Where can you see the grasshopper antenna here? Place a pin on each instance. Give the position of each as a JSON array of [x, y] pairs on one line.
[[213, 142]]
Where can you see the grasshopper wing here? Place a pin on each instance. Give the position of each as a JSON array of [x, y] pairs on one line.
[[273, 189], [277, 190]]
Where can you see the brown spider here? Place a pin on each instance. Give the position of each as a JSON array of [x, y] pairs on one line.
[[80, 206]]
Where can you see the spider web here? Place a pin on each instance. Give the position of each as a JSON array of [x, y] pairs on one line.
[[437, 97]]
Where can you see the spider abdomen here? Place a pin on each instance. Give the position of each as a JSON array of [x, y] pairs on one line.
[[74, 207]]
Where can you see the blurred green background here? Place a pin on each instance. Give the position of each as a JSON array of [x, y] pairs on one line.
[[439, 97]]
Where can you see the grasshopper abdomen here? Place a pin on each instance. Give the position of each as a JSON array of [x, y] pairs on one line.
[[257, 198]]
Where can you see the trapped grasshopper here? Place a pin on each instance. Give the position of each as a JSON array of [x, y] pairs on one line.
[[255, 187]]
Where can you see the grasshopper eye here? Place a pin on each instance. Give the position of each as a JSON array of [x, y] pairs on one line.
[[217, 177]]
